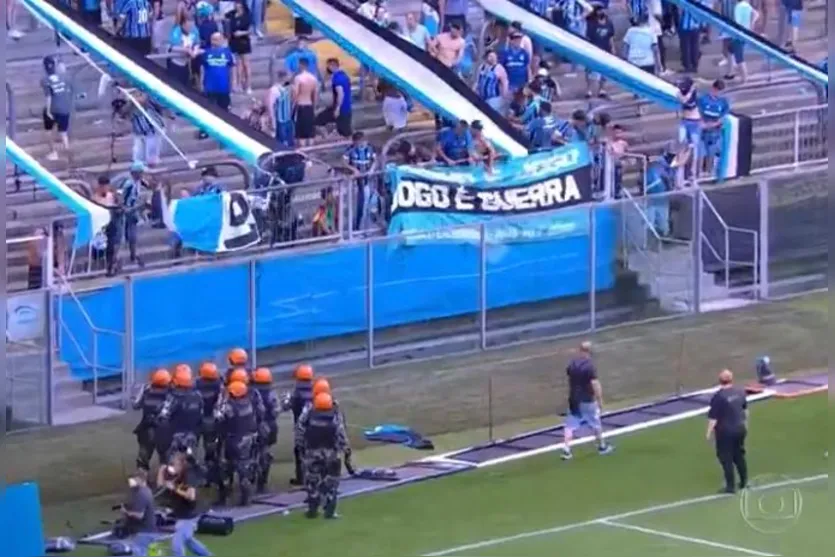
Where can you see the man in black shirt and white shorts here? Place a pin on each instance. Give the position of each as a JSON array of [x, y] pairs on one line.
[[181, 480], [727, 422], [585, 399]]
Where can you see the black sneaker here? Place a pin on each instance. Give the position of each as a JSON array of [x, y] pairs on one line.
[[295, 481], [727, 490], [311, 514]]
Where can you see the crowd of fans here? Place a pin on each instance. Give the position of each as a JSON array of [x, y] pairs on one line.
[[209, 43]]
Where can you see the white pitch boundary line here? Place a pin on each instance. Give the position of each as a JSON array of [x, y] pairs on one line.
[[617, 517], [688, 539], [615, 433], [581, 440]]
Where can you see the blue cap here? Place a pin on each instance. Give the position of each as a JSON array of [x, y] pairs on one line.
[[137, 166]]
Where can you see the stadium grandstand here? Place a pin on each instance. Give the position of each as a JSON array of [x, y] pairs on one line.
[[363, 185]]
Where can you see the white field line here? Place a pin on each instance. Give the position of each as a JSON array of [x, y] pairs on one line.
[[616, 517], [688, 539]]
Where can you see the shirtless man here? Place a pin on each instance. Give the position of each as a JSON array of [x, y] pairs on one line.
[[306, 95], [448, 47]]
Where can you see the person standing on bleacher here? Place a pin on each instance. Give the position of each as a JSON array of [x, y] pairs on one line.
[[133, 25]]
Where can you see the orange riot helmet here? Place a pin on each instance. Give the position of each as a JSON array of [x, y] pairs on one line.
[[183, 377], [262, 376], [321, 385], [238, 374], [237, 389], [323, 401], [208, 371], [238, 357], [304, 372], [160, 378]]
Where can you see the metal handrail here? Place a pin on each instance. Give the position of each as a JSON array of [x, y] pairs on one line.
[[727, 240]]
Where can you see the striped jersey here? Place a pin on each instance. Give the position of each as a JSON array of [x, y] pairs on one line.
[[130, 192], [360, 157], [726, 8], [137, 16], [488, 83], [283, 106], [539, 7], [141, 125], [637, 8]]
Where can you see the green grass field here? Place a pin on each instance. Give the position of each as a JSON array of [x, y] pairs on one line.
[[541, 506]]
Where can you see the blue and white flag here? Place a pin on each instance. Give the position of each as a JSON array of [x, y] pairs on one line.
[[435, 200], [91, 217], [213, 223]]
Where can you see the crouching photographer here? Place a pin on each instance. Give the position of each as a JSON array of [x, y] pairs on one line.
[[138, 514], [180, 481]]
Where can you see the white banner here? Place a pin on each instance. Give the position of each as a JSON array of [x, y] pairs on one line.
[[25, 317]]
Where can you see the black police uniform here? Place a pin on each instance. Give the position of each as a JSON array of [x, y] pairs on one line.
[[240, 450], [324, 438], [183, 410], [728, 407], [267, 434], [149, 436], [209, 390], [302, 396]]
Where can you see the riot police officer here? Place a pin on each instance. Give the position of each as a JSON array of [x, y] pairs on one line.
[[237, 358], [301, 397], [150, 400], [210, 386], [182, 412], [322, 385], [240, 429], [323, 438], [262, 380]]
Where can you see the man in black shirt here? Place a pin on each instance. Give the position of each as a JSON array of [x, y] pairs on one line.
[[585, 399], [727, 422], [181, 481]]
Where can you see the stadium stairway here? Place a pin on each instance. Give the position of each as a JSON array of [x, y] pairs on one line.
[[30, 207]]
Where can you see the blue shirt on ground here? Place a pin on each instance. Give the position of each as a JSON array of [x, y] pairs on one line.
[[340, 80], [217, 65]]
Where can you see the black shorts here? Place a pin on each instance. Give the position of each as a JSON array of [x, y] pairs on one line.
[[60, 121], [142, 45], [343, 121], [241, 46], [93, 17], [305, 122], [223, 100]]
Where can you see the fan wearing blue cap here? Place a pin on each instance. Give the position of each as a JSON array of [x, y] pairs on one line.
[[58, 106]]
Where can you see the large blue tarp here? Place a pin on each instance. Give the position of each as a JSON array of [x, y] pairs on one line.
[[200, 313]]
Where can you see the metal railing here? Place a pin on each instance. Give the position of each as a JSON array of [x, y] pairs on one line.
[[728, 263], [802, 132], [91, 361]]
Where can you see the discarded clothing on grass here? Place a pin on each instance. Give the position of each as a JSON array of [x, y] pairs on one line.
[[399, 435]]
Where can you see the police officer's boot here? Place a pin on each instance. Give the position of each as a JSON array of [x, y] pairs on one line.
[[330, 509], [222, 494], [246, 492], [312, 507]]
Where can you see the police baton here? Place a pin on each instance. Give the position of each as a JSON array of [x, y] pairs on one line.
[[349, 464]]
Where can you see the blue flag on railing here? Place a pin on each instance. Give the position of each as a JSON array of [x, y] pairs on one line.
[[212, 223]]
